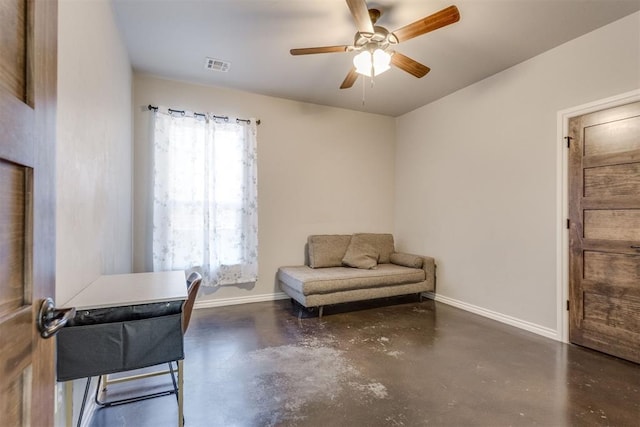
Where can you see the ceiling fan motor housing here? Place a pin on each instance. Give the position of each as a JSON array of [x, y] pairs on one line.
[[380, 39]]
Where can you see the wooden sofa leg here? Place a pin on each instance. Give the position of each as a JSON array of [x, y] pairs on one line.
[[320, 309]]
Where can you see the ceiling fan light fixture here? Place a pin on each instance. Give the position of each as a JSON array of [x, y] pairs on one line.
[[377, 61], [374, 45]]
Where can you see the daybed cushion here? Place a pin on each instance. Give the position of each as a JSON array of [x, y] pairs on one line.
[[308, 281], [327, 250]]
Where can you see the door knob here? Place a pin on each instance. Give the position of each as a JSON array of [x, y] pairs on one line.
[[51, 320]]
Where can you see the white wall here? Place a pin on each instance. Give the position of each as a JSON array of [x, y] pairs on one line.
[[320, 170], [476, 173], [94, 154], [94, 147]]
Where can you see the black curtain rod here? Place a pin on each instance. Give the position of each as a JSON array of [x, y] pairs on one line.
[[225, 118]]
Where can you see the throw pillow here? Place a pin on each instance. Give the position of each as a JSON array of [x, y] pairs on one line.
[[360, 255], [406, 260], [382, 243]]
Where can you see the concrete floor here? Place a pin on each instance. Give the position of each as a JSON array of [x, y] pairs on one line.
[[385, 363]]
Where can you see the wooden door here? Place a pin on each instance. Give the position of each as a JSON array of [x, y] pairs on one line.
[[604, 236], [28, 38]]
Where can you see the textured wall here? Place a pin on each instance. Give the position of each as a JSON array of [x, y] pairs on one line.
[[320, 169], [94, 149], [476, 172]]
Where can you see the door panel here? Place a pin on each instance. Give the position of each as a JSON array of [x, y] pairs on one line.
[[15, 333], [604, 236], [612, 311], [617, 180], [13, 51], [604, 267], [15, 295], [614, 224], [13, 236], [28, 33], [613, 137]]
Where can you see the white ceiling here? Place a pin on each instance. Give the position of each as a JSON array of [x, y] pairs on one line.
[[171, 38]]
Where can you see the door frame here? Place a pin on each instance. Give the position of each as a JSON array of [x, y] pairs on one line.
[[562, 198]]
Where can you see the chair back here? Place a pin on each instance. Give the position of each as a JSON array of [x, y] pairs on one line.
[[193, 285]]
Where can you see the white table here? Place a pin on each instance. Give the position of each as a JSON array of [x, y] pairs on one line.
[[121, 290], [128, 289]]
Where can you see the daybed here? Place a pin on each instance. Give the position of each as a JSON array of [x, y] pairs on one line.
[[345, 268]]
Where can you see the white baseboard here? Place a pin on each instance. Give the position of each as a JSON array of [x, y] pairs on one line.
[[221, 302], [494, 315]]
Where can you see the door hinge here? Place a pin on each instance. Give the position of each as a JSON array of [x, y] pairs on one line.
[[567, 305], [568, 223], [568, 138]]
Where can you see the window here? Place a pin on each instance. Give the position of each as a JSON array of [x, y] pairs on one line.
[[205, 197]]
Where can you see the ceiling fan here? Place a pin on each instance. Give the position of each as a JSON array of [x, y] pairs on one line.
[[374, 43]]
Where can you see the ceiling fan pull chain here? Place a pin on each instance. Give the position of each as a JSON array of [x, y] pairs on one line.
[[364, 85]]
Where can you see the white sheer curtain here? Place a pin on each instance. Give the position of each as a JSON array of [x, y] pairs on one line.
[[205, 201]]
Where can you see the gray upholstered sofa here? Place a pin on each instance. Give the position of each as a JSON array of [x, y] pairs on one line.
[[345, 268]]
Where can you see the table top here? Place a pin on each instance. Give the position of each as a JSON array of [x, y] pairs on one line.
[[130, 289]]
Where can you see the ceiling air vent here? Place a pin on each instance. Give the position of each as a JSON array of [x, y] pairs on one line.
[[217, 65]]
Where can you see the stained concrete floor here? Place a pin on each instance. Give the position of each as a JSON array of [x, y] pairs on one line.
[[385, 363]]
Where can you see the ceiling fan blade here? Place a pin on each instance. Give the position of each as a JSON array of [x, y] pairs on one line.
[[323, 49], [409, 65], [360, 14], [351, 78], [440, 19]]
